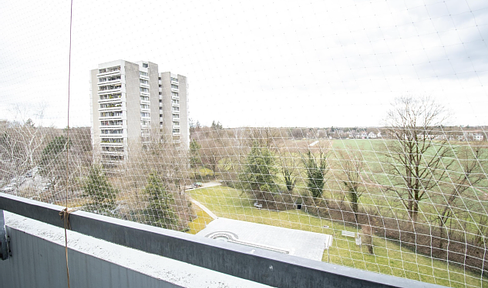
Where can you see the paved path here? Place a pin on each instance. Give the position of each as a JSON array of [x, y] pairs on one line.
[[210, 213], [210, 184], [206, 185]]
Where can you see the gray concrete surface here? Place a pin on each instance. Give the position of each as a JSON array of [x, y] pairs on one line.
[[38, 260], [304, 244], [260, 265]]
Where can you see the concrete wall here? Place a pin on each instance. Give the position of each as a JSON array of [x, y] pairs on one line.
[[182, 252], [38, 260], [95, 129], [167, 114], [167, 107], [184, 130], [133, 105], [154, 96]]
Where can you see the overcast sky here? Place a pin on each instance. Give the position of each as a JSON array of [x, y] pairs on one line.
[[254, 63]]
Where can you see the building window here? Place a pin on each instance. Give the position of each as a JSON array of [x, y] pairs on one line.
[[142, 89], [142, 73], [109, 87], [112, 140], [111, 105], [111, 114], [144, 98], [144, 114], [113, 149], [110, 96], [110, 69], [111, 123], [174, 86], [109, 78], [143, 81], [174, 94], [113, 157], [145, 65], [111, 131]]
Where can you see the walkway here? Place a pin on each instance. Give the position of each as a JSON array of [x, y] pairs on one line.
[[210, 213]]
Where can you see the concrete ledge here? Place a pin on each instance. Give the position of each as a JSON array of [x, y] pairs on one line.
[[258, 265], [39, 261]]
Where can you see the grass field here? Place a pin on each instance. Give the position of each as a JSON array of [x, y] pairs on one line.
[[389, 258], [376, 175]]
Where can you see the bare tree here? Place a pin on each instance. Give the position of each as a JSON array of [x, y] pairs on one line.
[[352, 166], [415, 156], [213, 147], [20, 148], [468, 159]]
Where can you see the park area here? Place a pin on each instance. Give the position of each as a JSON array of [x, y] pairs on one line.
[[389, 258], [450, 216]]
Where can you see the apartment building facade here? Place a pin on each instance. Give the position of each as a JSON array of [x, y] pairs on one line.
[[132, 103]]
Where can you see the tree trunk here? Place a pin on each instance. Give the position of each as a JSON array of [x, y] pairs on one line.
[[441, 236], [355, 210], [410, 208], [415, 211]]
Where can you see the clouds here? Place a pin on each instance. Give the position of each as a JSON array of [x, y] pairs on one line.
[[256, 63]]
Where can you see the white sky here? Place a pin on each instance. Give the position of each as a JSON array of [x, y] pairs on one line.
[[254, 63]]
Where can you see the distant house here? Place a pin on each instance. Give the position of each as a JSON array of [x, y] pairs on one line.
[[372, 135], [477, 136], [474, 135]]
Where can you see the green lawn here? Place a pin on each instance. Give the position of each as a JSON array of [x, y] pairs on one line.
[[200, 222], [389, 258], [376, 170]]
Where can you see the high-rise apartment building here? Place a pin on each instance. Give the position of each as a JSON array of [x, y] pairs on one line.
[[133, 103]]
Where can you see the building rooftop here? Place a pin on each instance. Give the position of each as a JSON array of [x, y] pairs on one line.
[[299, 243]]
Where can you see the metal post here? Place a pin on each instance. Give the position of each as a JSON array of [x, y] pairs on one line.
[[3, 238]]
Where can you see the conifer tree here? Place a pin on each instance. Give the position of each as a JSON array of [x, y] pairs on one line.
[[160, 210], [101, 193]]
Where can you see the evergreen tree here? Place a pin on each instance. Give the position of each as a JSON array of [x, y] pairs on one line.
[[160, 210], [195, 159], [316, 169], [101, 193], [53, 149], [259, 171]]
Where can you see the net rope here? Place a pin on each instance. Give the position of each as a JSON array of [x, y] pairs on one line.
[[404, 194]]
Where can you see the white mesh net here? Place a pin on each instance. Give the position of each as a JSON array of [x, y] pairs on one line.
[[360, 120]]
